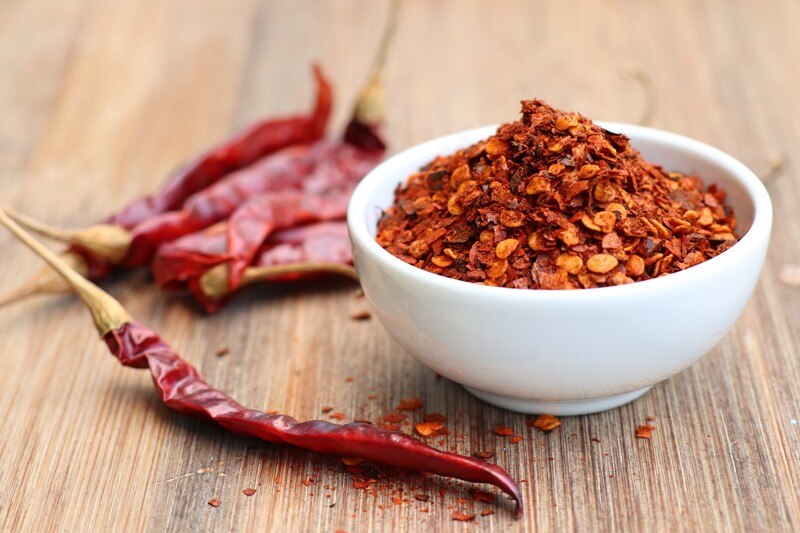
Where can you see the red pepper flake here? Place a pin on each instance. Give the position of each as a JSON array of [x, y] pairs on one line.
[[515, 439], [272, 412], [545, 422], [249, 491], [307, 482], [650, 418], [352, 461], [397, 500], [487, 512], [483, 496], [214, 502], [348, 379], [337, 416], [427, 429], [595, 439], [395, 417], [327, 409], [461, 517], [434, 417], [410, 404], [422, 497], [372, 396], [554, 201], [503, 431], [483, 456], [223, 351], [361, 315], [644, 432]]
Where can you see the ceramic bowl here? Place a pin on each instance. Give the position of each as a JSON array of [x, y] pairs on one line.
[[563, 352]]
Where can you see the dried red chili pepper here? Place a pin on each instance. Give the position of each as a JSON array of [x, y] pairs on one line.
[[244, 148], [291, 255], [324, 196], [258, 140], [183, 389]]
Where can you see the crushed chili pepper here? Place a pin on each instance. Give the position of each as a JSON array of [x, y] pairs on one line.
[[183, 389], [410, 404], [462, 517], [214, 502], [545, 422], [361, 315], [430, 429], [249, 491], [482, 496], [503, 431], [483, 456], [645, 431], [223, 351], [487, 512], [553, 201]]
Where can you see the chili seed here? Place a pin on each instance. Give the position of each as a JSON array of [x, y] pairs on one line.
[[601, 263], [505, 248], [571, 263], [497, 269]]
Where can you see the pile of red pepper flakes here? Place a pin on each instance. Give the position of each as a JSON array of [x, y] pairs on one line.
[[554, 201]]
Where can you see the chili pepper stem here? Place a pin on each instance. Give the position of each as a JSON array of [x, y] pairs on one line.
[[47, 281], [370, 106], [106, 241], [214, 283], [107, 313]]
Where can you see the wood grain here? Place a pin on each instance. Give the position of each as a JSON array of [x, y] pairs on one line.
[[101, 99]]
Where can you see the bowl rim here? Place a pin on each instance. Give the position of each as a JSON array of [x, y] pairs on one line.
[[750, 243]]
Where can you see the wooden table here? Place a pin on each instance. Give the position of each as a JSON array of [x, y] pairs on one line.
[[100, 100]]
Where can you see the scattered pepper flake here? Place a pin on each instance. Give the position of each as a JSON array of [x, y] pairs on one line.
[[249, 491], [223, 351], [483, 496], [487, 512], [422, 497], [327, 409], [427, 429], [410, 404], [503, 431], [483, 456], [462, 517], [361, 315], [348, 379], [337, 416], [214, 502], [645, 431], [352, 461], [395, 417], [546, 422], [515, 439]]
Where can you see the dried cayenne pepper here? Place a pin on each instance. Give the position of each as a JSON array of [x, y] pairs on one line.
[[183, 389], [553, 201]]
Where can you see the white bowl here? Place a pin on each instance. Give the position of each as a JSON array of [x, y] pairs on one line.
[[563, 352]]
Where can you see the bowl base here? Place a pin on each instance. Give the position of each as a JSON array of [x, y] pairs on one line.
[[558, 407]]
